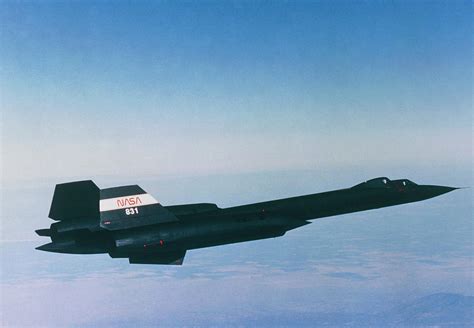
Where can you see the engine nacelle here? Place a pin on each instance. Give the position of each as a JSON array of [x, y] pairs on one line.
[[91, 224]]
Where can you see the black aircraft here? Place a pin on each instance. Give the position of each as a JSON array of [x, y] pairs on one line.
[[127, 222]]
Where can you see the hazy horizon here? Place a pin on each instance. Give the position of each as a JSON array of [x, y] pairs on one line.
[[233, 103]]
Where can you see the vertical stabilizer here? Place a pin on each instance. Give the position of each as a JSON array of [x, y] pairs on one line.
[[75, 200], [130, 206]]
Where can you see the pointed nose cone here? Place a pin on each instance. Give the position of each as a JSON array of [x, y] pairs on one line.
[[433, 191], [439, 190]]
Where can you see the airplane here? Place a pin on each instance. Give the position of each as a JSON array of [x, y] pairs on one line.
[[127, 222]]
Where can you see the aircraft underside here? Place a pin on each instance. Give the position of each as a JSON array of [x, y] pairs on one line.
[[126, 222]]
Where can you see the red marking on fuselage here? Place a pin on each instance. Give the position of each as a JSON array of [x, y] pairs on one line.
[[129, 201]]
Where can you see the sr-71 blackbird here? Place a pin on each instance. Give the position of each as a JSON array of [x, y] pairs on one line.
[[127, 222]]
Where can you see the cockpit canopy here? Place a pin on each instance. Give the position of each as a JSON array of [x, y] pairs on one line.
[[384, 183], [402, 183]]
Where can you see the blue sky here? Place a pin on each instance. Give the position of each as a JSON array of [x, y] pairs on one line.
[[226, 87], [232, 103]]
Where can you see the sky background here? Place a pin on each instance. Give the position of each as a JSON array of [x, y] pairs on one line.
[[238, 102]]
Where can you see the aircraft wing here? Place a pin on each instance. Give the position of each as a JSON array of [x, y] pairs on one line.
[[175, 257]]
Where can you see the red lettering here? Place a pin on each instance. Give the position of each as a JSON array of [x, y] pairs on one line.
[[130, 201]]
